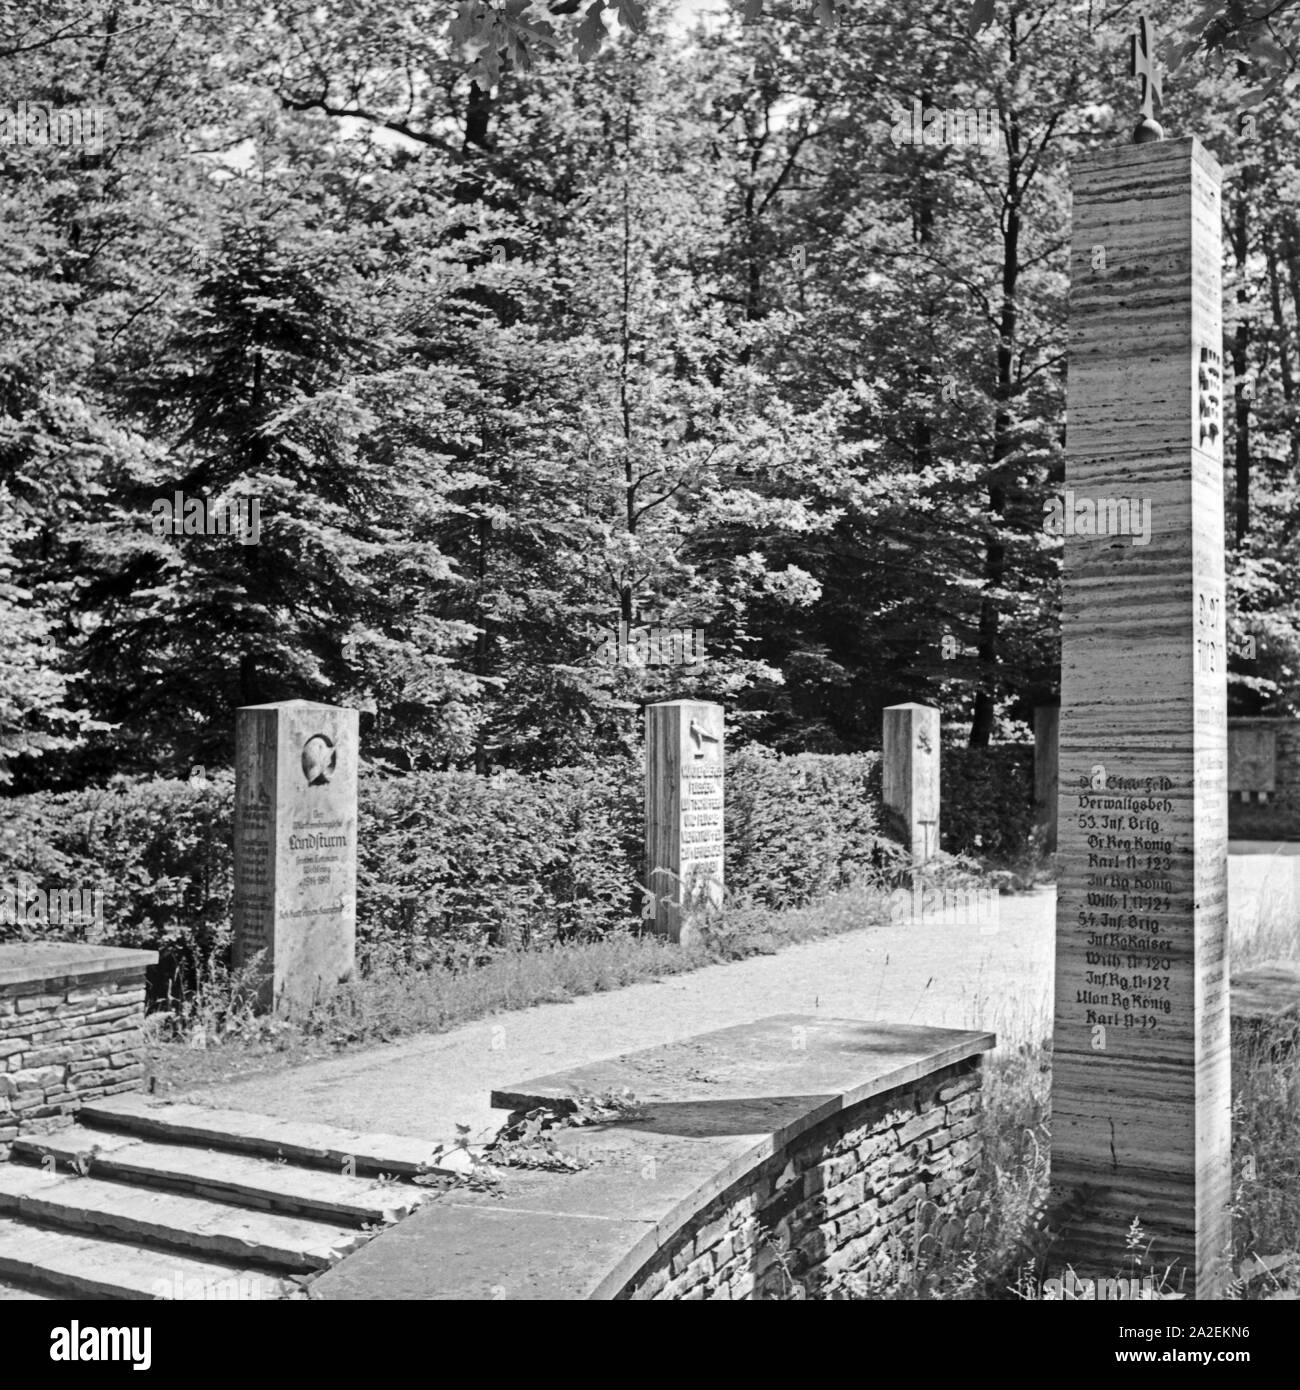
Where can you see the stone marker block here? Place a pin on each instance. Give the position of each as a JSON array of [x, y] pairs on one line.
[[1140, 1087], [910, 774], [1047, 727], [296, 847], [1252, 757], [683, 811]]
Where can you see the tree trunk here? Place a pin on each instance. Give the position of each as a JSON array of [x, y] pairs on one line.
[[995, 552]]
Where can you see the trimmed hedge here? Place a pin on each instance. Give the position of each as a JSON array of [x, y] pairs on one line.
[[449, 864], [452, 866], [800, 825], [987, 795], [160, 852]]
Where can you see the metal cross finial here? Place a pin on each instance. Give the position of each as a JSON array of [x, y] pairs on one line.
[[1143, 64]]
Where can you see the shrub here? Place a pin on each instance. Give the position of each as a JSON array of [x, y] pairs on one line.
[[452, 868], [987, 797], [799, 825], [160, 852], [451, 865]]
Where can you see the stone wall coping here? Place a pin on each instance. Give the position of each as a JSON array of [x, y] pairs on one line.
[[836, 1062], [718, 1105], [24, 962]]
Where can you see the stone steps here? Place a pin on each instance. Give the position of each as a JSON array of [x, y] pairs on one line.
[[71, 1263], [11, 1293], [239, 1131], [224, 1177], [119, 1211], [149, 1200]]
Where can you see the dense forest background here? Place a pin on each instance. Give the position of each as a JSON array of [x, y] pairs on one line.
[[671, 333]]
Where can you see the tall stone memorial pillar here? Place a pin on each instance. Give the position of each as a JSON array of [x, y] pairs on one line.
[[1140, 1084], [296, 847], [910, 777], [683, 811]]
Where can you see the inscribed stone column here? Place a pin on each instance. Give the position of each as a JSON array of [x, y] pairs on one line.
[[683, 810], [296, 847], [1140, 1087], [1047, 729], [910, 777]]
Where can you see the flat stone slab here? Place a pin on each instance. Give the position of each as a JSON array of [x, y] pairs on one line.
[[1266, 993], [715, 1106], [242, 1131], [226, 1177], [490, 1253], [798, 1059], [62, 960], [202, 1227]]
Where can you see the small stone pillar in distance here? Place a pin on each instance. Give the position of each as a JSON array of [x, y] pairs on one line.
[[683, 811], [910, 774], [296, 847], [1047, 724]]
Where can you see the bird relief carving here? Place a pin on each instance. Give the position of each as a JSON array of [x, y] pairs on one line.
[[704, 742]]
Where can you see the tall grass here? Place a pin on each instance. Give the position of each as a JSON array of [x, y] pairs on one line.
[[1264, 909], [997, 1246]]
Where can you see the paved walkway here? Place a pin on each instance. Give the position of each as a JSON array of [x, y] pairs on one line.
[[945, 974], [956, 974]]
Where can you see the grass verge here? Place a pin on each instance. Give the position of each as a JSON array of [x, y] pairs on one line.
[[218, 1036]]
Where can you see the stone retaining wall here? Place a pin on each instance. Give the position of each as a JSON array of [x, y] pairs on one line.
[[792, 1148], [70, 1031], [826, 1206]]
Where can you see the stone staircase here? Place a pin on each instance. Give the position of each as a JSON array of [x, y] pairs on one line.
[[142, 1199]]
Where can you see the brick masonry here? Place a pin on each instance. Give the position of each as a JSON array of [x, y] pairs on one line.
[[798, 1140], [64, 1041], [834, 1202]]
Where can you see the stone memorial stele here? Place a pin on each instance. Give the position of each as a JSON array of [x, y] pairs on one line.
[[1140, 1066], [910, 777], [683, 812], [1252, 760], [296, 847]]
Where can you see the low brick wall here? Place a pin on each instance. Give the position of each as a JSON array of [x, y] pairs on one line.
[[825, 1206], [70, 1031], [790, 1148]]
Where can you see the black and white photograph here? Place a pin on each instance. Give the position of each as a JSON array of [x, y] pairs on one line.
[[650, 652]]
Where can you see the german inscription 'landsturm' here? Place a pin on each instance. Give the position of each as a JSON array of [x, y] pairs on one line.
[[296, 846]]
